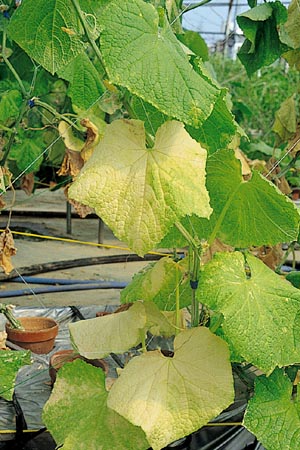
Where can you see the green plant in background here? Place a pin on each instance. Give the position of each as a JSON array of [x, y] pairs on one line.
[[161, 173]]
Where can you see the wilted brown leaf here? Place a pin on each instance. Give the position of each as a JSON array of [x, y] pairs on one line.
[[71, 164], [27, 183], [92, 139], [3, 337], [271, 256], [82, 210], [7, 250], [217, 246]]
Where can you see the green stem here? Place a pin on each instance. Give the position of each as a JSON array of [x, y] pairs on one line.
[[194, 272], [194, 286], [15, 323], [11, 68], [143, 340], [177, 304], [89, 37], [56, 114], [222, 216], [196, 5]]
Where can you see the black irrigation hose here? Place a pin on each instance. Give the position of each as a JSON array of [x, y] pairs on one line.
[[68, 264], [64, 288]]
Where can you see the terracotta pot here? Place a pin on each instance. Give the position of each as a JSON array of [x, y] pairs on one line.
[[39, 334], [58, 359]]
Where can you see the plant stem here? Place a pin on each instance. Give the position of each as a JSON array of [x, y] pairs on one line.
[[143, 341], [194, 272], [194, 286], [6, 310], [56, 114], [194, 6], [177, 304], [89, 37], [11, 68]]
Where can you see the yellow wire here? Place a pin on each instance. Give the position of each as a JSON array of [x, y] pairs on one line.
[[75, 241]]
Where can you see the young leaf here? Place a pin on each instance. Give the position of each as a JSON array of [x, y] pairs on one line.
[[97, 338], [76, 413], [10, 363], [158, 283], [149, 61], [172, 397], [85, 84], [245, 213], [39, 30], [272, 415], [261, 27], [255, 309], [141, 192], [285, 124]]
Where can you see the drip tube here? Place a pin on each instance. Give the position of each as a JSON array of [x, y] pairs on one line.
[[64, 288], [55, 281]]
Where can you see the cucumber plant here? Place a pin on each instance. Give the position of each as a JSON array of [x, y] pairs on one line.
[[155, 140]]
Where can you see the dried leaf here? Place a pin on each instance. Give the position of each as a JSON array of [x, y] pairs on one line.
[[92, 139], [2, 202], [71, 164], [27, 183], [271, 256], [7, 250], [81, 210], [217, 246], [3, 337]]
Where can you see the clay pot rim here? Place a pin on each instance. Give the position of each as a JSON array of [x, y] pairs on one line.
[[49, 320]]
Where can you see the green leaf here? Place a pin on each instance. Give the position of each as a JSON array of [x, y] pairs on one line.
[[294, 278], [76, 413], [28, 154], [286, 120], [141, 192], [10, 363], [158, 283], [272, 415], [195, 42], [85, 83], [172, 397], [97, 338], [245, 213], [159, 323], [218, 130], [10, 103], [41, 31], [292, 28], [261, 313], [152, 117], [149, 61], [263, 43]]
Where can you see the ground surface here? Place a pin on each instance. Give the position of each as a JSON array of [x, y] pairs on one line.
[[29, 214]]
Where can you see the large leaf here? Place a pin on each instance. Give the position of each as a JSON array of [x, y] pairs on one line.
[[85, 84], [96, 338], [261, 313], [172, 397], [10, 363], [146, 58], [245, 213], [292, 28], [158, 283], [28, 153], [77, 416], [49, 32], [272, 415], [263, 44], [141, 192], [10, 103]]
